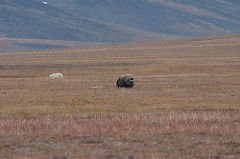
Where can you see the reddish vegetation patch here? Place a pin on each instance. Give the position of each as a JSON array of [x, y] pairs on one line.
[[209, 122], [167, 135]]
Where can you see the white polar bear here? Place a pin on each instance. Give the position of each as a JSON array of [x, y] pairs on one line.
[[56, 75]]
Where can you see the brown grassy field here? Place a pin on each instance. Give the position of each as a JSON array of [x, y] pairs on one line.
[[185, 102]]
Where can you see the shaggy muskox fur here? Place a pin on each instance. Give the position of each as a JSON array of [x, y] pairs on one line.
[[126, 81]]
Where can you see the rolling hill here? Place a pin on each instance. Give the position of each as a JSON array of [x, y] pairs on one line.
[[113, 21]]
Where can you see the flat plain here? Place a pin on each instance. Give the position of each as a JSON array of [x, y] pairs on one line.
[[185, 102]]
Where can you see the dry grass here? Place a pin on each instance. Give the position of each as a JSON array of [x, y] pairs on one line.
[[185, 102]]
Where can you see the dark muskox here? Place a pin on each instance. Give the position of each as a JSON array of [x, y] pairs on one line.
[[126, 81]]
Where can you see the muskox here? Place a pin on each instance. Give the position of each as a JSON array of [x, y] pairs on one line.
[[126, 81]]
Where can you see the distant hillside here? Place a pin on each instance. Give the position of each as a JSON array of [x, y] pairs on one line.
[[174, 17], [114, 21], [12, 45]]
